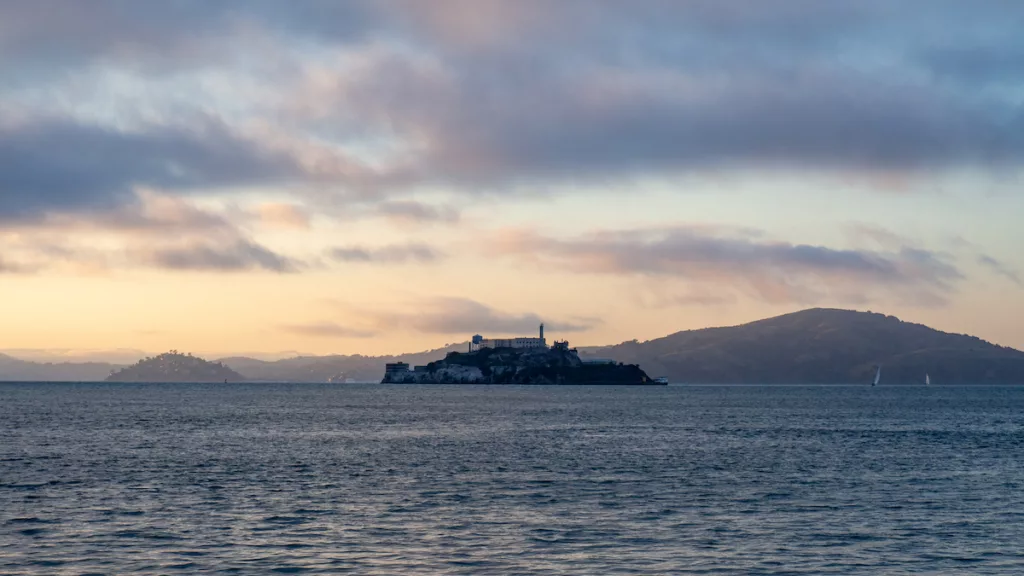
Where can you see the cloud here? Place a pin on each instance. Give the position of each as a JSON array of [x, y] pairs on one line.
[[373, 99], [707, 86], [775, 272], [12, 268], [327, 330], [57, 34], [359, 108], [152, 231], [410, 211], [63, 165], [396, 254], [465, 316], [209, 257], [1000, 269], [881, 237]]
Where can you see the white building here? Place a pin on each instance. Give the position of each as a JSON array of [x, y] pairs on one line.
[[479, 342]]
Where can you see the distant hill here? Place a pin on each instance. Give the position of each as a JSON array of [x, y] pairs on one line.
[[821, 346], [335, 368], [175, 367], [15, 370]]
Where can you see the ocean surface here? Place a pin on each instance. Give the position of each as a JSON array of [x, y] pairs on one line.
[[371, 479]]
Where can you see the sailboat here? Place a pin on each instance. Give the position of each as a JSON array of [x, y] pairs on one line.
[[927, 380], [878, 376]]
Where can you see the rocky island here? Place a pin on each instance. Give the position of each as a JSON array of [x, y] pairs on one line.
[[175, 367], [517, 361]]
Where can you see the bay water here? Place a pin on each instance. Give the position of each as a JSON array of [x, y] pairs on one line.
[[388, 479]]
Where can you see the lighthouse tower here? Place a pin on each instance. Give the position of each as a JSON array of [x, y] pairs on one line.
[[542, 335]]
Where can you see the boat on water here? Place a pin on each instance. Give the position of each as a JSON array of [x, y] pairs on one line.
[[661, 380], [878, 376], [927, 380]]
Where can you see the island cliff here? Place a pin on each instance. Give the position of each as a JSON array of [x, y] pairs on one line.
[[556, 365]]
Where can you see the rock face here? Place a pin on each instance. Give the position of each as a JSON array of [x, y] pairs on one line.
[[557, 365], [176, 367]]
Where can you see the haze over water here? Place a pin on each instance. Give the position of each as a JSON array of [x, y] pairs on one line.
[[245, 479]]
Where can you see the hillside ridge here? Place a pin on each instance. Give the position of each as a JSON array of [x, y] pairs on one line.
[[821, 346]]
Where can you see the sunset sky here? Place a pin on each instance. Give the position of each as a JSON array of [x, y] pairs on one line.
[[277, 177]]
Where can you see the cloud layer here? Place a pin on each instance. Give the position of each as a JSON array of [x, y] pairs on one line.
[[377, 98], [386, 255], [312, 111], [772, 271]]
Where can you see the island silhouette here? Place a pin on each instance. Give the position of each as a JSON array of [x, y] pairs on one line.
[[174, 366]]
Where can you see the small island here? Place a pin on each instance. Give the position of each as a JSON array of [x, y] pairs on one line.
[[518, 361], [175, 367]]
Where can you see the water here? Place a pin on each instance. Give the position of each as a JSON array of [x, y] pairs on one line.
[[247, 479]]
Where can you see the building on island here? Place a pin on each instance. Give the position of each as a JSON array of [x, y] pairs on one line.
[[479, 342], [395, 369]]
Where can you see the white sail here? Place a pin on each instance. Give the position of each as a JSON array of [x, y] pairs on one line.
[[878, 376], [927, 380]]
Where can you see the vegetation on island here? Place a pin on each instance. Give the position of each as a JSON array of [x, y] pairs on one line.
[[174, 366], [555, 365]]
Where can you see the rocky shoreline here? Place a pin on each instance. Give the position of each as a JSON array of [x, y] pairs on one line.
[[558, 365]]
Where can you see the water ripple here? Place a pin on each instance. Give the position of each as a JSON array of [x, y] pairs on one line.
[[255, 479]]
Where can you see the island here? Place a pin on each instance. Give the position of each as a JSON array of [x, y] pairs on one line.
[[175, 367], [518, 361]]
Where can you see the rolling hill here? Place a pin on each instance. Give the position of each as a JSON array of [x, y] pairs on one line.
[[821, 346], [334, 368], [13, 370]]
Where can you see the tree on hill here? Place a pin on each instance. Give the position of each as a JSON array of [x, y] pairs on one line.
[[176, 367]]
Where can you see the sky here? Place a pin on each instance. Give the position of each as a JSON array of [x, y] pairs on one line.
[[328, 176]]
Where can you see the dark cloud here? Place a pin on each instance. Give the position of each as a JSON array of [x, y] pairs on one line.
[[772, 271], [684, 86], [386, 254], [67, 166], [56, 33], [153, 230], [465, 316], [589, 124], [327, 330], [991, 64], [485, 95], [1000, 269], [213, 257]]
